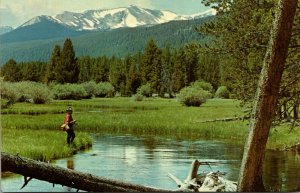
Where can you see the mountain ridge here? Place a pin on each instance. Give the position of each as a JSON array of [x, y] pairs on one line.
[[5, 29], [107, 19]]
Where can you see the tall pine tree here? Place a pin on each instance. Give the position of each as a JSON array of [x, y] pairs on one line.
[[10, 71], [178, 76], [167, 71], [54, 63], [151, 67], [68, 70]]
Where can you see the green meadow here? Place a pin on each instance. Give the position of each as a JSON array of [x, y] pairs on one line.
[[33, 130]]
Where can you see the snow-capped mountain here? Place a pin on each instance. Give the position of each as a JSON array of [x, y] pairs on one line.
[[207, 13], [107, 19], [38, 19], [5, 29]]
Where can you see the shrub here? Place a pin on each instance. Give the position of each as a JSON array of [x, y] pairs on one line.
[[9, 92], [90, 88], [138, 97], [104, 89], [145, 90], [204, 85], [39, 93], [222, 92], [193, 96], [24, 90], [69, 91]]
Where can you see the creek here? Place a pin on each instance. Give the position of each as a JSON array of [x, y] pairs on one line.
[[148, 160]]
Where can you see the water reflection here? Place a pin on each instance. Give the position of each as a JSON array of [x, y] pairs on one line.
[[70, 164], [148, 160], [130, 155], [282, 170]]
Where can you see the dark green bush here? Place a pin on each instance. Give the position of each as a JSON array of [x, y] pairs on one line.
[[222, 92]]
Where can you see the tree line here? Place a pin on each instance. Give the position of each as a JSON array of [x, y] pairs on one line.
[[166, 70]]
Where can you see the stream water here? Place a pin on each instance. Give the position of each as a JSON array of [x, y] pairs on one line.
[[148, 160]]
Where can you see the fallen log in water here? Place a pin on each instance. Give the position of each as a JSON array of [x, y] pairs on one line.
[[209, 182], [74, 179]]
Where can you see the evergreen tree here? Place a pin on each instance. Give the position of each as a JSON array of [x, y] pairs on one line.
[[117, 75], [167, 70], [191, 53], [85, 69], [178, 76], [10, 71], [32, 71], [51, 73], [209, 69], [68, 70], [156, 73], [103, 69], [242, 31], [151, 68], [133, 80], [148, 60]]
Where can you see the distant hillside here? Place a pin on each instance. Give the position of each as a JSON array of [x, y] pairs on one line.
[[117, 42], [39, 31]]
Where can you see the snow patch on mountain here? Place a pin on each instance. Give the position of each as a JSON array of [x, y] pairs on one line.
[[204, 14], [38, 19]]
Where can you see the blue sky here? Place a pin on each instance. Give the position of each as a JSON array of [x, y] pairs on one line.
[[16, 12]]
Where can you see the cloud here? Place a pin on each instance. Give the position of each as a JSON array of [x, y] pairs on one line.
[[7, 17]]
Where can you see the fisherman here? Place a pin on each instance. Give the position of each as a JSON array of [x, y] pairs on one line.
[[69, 124]]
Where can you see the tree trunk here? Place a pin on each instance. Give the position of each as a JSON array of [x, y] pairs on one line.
[[250, 178], [67, 177], [285, 111], [296, 109]]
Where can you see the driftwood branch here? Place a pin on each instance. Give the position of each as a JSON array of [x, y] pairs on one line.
[[205, 182], [66, 177], [189, 183], [224, 119]]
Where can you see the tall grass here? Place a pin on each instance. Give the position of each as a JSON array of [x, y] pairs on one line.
[[152, 116], [281, 137], [43, 145]]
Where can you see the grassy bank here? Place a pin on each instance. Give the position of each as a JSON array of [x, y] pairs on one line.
[[152, 116], [43, 145]]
